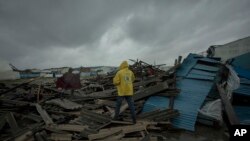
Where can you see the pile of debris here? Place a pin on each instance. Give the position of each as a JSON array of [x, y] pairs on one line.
[[34, 110]]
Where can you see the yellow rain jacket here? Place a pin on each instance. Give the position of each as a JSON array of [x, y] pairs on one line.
[[123, 80]]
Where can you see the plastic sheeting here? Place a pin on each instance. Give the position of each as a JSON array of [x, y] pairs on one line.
[[233, 81], [212, 109]]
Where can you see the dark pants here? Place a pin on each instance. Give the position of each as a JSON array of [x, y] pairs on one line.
[[130, 102]]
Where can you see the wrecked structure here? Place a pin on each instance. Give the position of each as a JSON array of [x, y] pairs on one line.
[[88, 113], [196, 90]]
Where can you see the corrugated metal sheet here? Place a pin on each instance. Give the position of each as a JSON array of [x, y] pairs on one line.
[[190, 99], [206, 67], [198, 76], [187, 65], [193, 91], [156, 102], [187, 102], [209, 60], [201, 72], [243, 114]]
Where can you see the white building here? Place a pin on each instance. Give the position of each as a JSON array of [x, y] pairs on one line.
[[230, 50]]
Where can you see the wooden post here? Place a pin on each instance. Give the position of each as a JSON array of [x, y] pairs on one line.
[[228, 106]]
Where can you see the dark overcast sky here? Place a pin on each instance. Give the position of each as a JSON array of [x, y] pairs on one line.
[[55, 33]]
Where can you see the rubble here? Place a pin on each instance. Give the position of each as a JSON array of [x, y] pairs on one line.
[[33, 109]]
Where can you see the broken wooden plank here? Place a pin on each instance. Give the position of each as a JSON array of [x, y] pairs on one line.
[[64, 103], [138, 139], [150, 91], [77, 113], [69, 127], [121, 122], [109, 103], [44, 115], [146, 82], [12, 122], [148, 137], [103, 134], [24, 137], [61, 137], [227, 106], [38, 93], [114, 137], [160, 115], [127, 129], [30, 116]]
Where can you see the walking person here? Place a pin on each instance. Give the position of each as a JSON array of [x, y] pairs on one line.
[[123, 80]]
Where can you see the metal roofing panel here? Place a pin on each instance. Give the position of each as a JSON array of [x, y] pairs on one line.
[[156, 102], [243, 114], [187, 65], [191, 60], [206, 67], [202, 77], [193, 81], [201, 72], [210, 60], [187, 102]]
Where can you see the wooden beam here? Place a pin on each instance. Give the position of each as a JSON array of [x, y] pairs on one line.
[[69, 127], [44, 115], [227, 106]]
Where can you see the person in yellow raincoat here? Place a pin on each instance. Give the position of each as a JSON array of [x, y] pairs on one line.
[[123, 80]]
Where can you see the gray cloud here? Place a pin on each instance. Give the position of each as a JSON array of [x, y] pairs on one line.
[[58, 33]]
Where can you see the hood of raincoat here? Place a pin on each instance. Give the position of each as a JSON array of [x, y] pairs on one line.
[[123, 65]]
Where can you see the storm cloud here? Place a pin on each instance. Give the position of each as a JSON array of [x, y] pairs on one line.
[[56, 33]]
